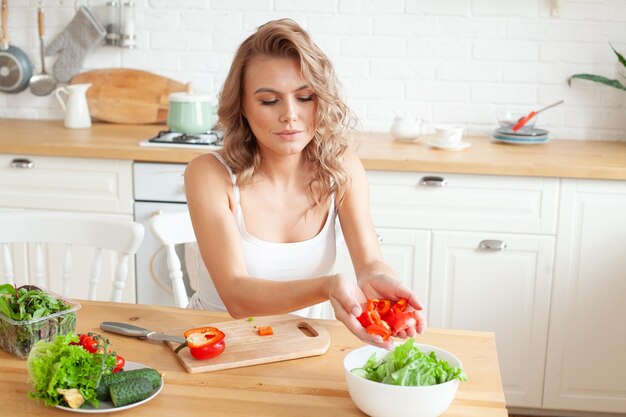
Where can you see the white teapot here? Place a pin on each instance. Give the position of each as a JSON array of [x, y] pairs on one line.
[[75, 105], [405, 128]]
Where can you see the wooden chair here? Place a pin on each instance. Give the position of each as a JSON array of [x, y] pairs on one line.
[[72, 230], [172, 229]]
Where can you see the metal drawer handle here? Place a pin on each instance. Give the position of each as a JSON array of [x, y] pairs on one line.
[[22, 163], [494, 245], [432, 181]]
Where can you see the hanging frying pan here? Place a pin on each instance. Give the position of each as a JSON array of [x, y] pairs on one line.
[[15, 67]]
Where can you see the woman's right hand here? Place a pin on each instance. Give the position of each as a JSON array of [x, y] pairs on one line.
[[346, 298]]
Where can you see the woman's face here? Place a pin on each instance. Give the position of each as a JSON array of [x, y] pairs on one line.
[[279, 105]]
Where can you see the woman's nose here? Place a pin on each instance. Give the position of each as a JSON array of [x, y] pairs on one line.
[[288, 112]]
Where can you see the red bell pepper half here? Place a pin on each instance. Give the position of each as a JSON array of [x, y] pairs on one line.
[[204, 342]]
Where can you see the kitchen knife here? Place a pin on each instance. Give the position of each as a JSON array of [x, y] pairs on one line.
[[129, 330]]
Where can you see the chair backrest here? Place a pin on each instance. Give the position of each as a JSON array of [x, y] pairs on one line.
[[172, 229], [71, 229]]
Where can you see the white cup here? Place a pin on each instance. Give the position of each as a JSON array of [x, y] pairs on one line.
[[448, 136]]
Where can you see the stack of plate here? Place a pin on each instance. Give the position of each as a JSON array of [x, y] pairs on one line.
[[524, 136]]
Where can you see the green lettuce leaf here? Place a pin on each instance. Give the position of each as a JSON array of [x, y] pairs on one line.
[[407, 365], [57, 364]]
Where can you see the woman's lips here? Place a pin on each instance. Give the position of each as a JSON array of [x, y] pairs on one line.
[[288, 134]]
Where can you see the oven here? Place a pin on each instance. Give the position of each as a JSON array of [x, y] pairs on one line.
[[159, 188]]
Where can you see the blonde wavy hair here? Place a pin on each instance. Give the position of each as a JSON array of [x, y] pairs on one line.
[[334, 121]]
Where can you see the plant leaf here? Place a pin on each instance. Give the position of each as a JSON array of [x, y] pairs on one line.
[[619, 56], [7, 289], [598, 79]]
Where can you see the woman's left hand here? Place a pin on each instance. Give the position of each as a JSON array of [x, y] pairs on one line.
[[385, 286]]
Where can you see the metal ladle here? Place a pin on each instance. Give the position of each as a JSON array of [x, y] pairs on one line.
[[44, 83]]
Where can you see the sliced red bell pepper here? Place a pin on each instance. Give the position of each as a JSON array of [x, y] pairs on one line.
[[205, 342], [381, 306], [401, 321], [384, 317], [381, 329], [399, 306], [369, 317]]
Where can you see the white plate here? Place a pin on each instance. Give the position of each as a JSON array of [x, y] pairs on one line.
[[522, 142], [458, 147], [107, 406]]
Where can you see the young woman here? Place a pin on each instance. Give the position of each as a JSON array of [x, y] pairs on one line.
[[264, 207]]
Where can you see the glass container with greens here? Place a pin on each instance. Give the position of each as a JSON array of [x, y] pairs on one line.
[[29, 314]]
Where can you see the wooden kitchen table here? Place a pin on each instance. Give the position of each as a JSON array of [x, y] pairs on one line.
[[297, 388]]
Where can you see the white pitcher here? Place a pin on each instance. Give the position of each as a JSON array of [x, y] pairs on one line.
[[405, 128], [75, 105]]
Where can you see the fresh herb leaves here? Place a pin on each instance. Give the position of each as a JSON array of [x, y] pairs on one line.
[[22, 304], [29, 314]]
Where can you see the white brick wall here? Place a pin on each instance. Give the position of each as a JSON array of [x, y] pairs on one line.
[[448, 61]]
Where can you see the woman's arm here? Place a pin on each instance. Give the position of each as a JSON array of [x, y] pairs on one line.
[[375, 278], [210, 201]]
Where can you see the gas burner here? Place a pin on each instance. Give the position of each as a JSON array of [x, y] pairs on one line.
[[213, 139], [187, 138]]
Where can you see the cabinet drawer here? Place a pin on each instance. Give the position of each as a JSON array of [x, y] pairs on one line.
[[159, 182], [463, 202], [77, 184]]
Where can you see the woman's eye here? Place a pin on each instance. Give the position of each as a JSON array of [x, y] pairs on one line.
[[269, 102], [307, 98]]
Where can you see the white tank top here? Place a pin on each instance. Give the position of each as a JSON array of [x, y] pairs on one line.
[[274, 261]]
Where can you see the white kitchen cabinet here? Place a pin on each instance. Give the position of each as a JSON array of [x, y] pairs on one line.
[[503, 291], [586, 360], [433, 201], [406, 251], [98, 186]]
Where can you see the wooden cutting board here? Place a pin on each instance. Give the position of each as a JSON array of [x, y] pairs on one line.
[[294, 337], [128, 96]]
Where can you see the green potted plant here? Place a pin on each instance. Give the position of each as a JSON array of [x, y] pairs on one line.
[[603, 80]]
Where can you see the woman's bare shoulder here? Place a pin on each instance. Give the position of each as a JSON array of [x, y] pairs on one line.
[[206, 166], [205, 170]]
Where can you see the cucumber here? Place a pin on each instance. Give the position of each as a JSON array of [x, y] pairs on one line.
[[102, 392], [130, 391]]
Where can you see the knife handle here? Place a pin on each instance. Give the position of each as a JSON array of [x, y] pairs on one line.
[[124, 329]]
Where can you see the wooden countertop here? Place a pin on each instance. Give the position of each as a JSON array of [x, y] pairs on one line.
[[558, 158], [304, 387]]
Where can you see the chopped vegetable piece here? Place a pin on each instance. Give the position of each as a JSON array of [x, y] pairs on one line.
[[386, 318], [381, 329], [265, 331]]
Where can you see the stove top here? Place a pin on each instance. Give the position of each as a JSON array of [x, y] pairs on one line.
[[211, 140]]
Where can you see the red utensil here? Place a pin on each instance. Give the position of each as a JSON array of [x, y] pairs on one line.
[[523, 120]]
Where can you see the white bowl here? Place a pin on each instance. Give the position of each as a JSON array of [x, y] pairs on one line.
[[382, 400], [508, 117]]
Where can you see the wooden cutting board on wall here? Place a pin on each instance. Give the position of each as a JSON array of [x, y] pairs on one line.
[[294, 337], [128, 96]]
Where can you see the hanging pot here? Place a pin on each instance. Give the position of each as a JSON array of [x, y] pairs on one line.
[[15, 67]]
